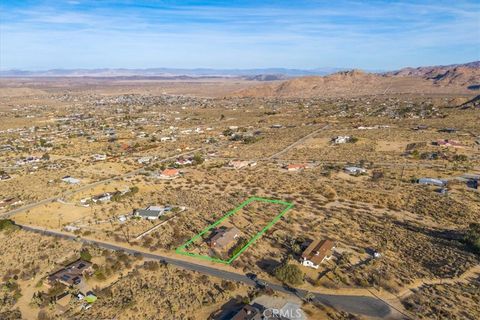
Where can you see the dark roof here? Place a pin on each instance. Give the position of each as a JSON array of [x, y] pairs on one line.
[[318, 250], [71, 274], [248, 312]]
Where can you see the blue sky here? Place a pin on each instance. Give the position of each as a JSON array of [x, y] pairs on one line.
[[378, 35]]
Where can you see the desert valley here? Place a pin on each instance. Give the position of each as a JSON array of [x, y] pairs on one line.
[[352, 195]]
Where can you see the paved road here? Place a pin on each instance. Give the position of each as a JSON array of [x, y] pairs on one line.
[[299, 141], [363, 305], [88, 186]]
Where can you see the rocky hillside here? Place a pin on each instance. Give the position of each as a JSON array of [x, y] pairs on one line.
[[465, 75], [443, 79]]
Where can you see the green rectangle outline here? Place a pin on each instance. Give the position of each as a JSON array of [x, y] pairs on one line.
[[180, 250]]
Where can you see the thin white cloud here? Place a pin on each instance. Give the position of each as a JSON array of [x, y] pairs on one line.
[[223, 34]]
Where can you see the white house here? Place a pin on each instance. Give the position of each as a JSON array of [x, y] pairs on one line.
[[99, 157], [355, 170], [70, 180], [341, 139]]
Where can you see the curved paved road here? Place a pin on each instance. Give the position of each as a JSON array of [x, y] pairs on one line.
[[363, 305]]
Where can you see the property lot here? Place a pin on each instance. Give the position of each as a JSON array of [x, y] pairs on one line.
[[235, 231]]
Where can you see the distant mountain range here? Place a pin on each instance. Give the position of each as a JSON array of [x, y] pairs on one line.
[[255, 74]]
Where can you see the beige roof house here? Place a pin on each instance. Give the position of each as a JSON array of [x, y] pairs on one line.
[[223, 237]]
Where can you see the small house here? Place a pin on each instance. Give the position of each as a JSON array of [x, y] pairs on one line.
[[432, 182], [70, 180], [223, 238], [239, 164], [170, 173], [317, 252], [72, 274], [296, 167], [448, 143], [355, 170], [151, 212], [248, 312], [104, 197], [99, 157], [63, 302], [4, 176], [340, 139]]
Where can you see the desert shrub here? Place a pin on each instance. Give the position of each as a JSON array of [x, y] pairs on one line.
[[472, 237], [289, 273], [228, 285], [85, 255], [99, 275], [151, 265], [330, 193], [460, 157], [242, 243], [7, 225], [198, 158], [353, 140]]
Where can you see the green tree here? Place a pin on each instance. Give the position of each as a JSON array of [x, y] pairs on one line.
[[289, 273], [85, 255]]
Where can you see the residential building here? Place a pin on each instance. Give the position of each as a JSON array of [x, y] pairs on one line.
[[223, 238], [296, 167], [340, 139], [4, 176], [317, 252], [103, 197], [72, 274], [448, 143], [99, 157], [70, 180], [9, 202], [170, 173], [151, 212], [63, 302], [355, 170], [277, 308], [432, 182], [248, 312], [238, 164]]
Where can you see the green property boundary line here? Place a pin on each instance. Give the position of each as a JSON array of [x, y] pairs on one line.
[[181, 249]]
